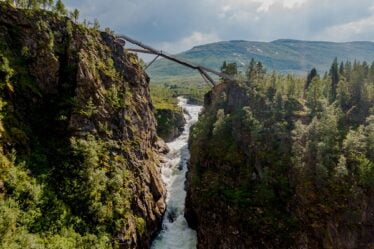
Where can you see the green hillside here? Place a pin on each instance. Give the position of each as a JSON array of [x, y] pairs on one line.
[[281, 55]]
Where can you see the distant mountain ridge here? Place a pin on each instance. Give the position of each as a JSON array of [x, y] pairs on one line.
[[283, 55]]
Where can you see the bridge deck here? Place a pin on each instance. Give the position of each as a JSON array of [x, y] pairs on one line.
[[149, 50]]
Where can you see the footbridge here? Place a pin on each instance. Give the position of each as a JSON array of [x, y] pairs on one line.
[[204, 71]]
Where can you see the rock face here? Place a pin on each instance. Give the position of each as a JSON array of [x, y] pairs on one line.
[[245, 189], [76, 110], [170, 123]]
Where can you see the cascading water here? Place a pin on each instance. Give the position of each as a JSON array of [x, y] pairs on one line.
[[175, 233]]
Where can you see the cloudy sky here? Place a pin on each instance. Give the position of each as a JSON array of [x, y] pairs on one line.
[[178, 25]]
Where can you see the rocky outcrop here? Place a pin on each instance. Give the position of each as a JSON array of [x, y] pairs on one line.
[[170, 123], [246, 190], [76, 110]]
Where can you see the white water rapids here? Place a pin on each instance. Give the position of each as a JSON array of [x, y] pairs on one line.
[[175, 233]]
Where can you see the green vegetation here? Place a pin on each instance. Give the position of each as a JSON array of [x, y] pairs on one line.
[[168, 91], [170, 119], [57, 7], [169, 115], [163, 97], [67, 170], [290, 156]]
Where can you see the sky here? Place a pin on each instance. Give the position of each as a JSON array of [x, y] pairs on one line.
[[178, 25]]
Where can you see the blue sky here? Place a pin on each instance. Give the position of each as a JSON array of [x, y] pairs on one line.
[[178, 25]]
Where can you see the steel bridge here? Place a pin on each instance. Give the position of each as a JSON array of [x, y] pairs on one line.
[[122, 39]]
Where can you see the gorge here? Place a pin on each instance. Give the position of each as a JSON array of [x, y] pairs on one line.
[[175, 232], [95, 155]]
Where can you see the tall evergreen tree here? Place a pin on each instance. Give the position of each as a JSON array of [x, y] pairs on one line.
[[251, 71], [310, 77], [60, 8], [371, 73], [260, 70], [341, 69], [365, 68], [347, 70], [75, 15], [334, 74], [96, 24], [224, 66]]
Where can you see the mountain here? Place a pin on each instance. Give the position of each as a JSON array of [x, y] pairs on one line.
[[281, 55]]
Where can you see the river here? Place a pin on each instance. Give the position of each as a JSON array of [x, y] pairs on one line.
[[175, 233]]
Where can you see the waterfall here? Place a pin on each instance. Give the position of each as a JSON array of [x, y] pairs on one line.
[[175, 233]]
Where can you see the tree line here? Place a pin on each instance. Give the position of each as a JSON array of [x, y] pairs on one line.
[[347, 85], [51, 5], [57, 7]]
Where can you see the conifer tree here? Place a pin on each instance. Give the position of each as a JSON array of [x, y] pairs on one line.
[[60, 8], [231, 69], [334, 74], [311, 75], [260, 72], [251, 71], [75, 15], [96, 24], [371, 73], [347, 70], [223, 67]]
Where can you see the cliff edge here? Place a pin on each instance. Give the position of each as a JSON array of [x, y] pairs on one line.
[[78, 143]]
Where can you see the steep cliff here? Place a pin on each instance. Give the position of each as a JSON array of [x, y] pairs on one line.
[[265, 174], [169, 115], [170, 123], [78, 142]]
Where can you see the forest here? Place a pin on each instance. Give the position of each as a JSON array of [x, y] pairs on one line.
[[296, 154]]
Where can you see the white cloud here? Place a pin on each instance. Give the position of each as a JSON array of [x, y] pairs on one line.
[[195, 22], [288, 4], [263, 5], [363, 28], [293, 3], [195, 39]]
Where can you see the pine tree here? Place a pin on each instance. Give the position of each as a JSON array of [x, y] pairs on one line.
[[260, 73], [311, 75], [251, 72], [96, 24], [75, 15], [371, 73], [314, 96], [348, 70], [60, 8], [365, 69], [343, 95], [334, 74], [232, 69], [341, 69], [271, 91], [224, 66]]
